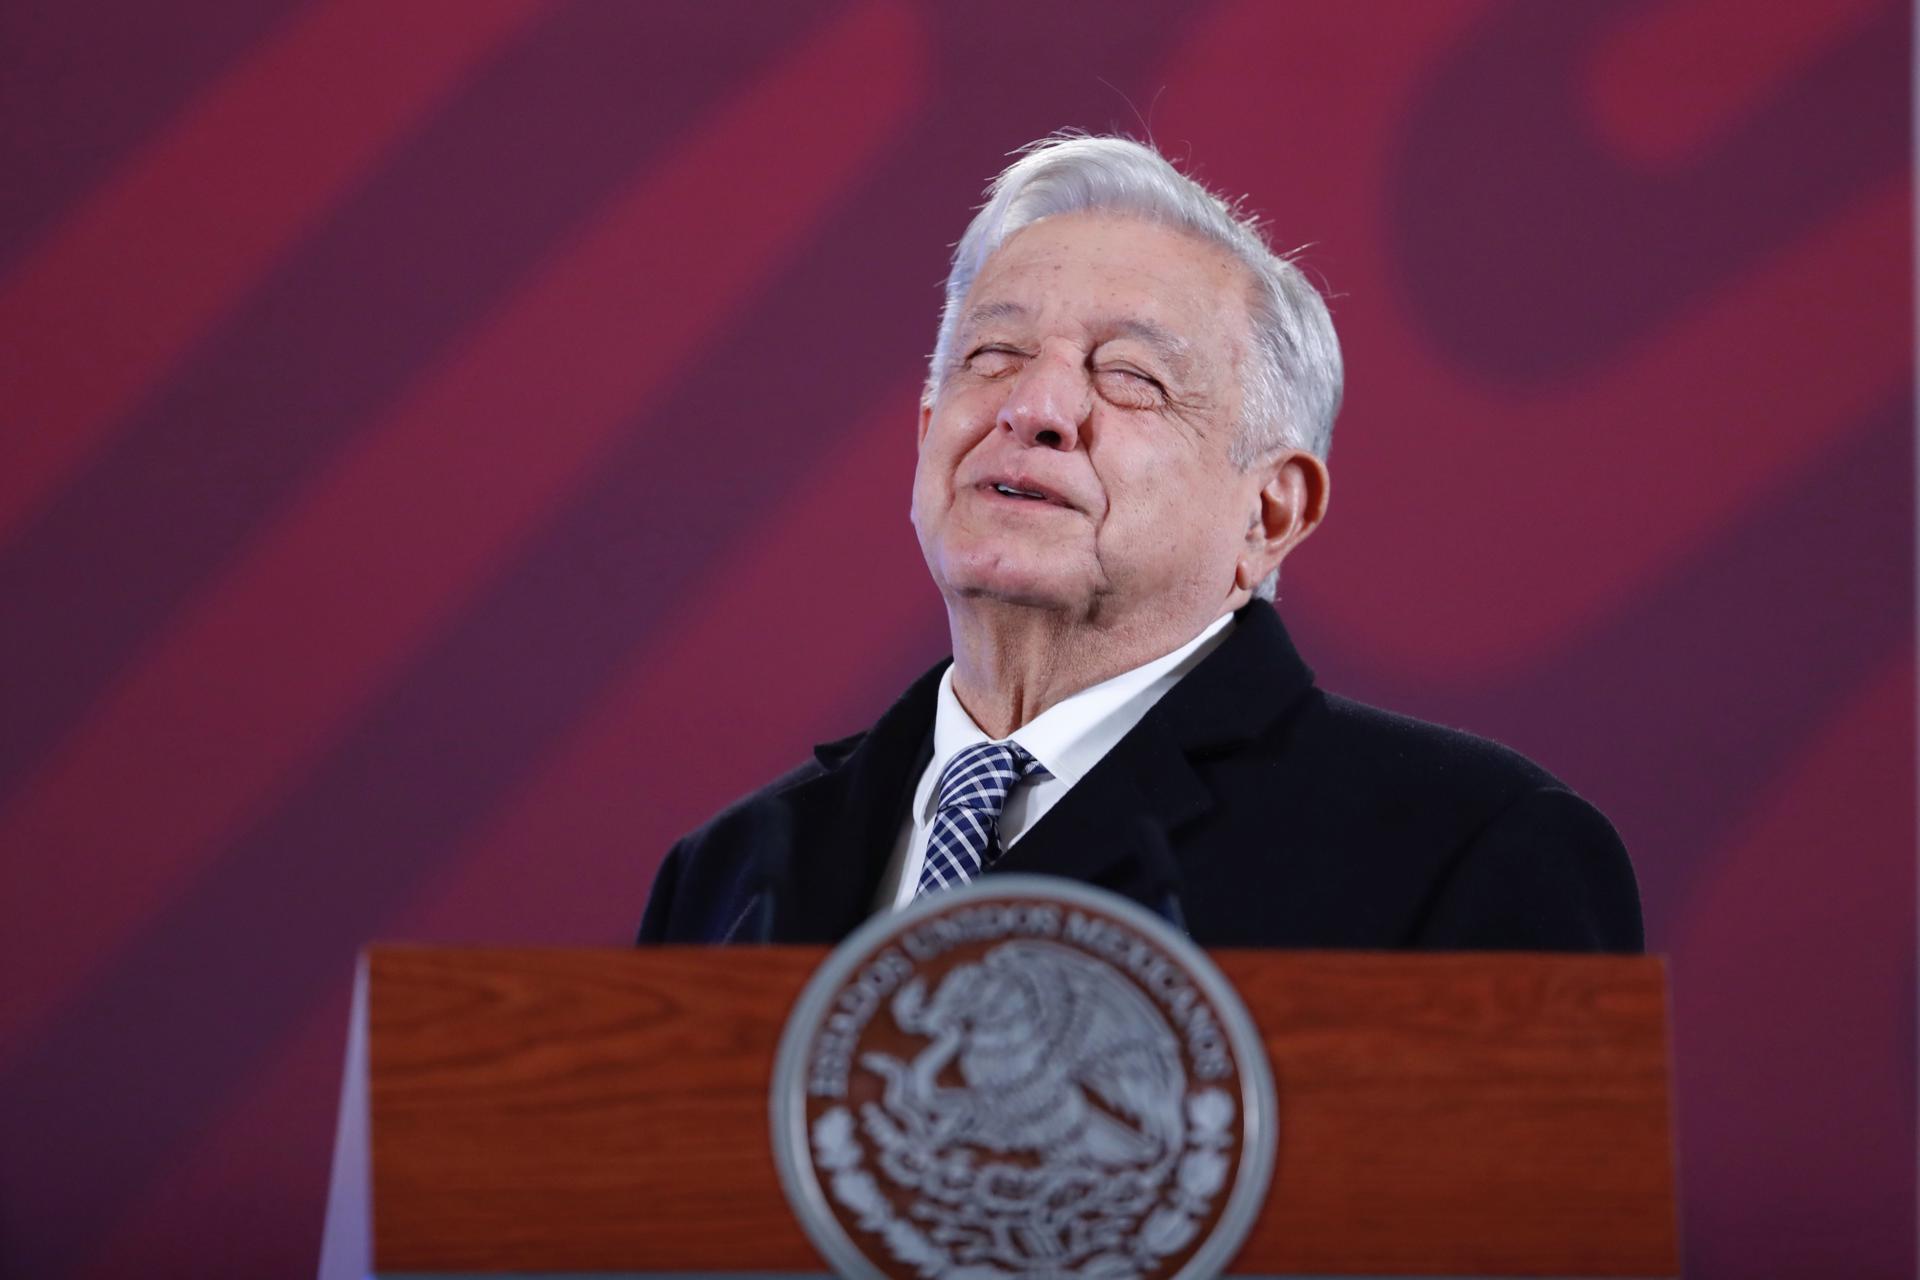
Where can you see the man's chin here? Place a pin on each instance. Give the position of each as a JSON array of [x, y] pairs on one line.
[[1014, 588]]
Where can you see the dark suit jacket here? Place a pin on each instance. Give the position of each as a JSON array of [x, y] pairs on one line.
[[1247, 803]]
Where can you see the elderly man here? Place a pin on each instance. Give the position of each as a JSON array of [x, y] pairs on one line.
[[1123, 435]]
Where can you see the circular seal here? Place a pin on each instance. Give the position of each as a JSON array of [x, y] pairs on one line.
[[1028, 1077]]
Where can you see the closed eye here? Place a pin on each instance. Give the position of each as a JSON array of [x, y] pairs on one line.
[[1130, 387], [994, 361]]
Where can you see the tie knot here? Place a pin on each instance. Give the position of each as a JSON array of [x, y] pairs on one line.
[[980, 777]]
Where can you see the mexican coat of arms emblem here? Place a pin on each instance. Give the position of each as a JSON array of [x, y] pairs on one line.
[[1028, 1078]]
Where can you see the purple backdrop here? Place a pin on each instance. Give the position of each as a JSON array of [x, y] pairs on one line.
[[450, 449]]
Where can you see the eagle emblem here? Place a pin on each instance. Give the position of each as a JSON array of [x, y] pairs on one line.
[[1024, 1106]]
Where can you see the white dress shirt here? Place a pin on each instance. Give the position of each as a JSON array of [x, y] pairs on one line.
[[1068, 739]]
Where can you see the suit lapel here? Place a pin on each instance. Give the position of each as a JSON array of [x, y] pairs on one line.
[[1153, 784], [1093, 833], [845, 821]]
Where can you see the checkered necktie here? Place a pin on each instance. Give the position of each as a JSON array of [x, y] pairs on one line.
[[965, 835]]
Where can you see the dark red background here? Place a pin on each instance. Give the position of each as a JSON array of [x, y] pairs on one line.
[[450, 449]]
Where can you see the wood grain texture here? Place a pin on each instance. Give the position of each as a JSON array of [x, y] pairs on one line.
[[1465, 1114], [606, 1110]]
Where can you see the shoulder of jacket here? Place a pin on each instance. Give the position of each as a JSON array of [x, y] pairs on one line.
[[757, 805], [1398, 742]]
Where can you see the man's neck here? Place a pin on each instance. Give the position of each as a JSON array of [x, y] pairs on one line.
[[1010, 663]]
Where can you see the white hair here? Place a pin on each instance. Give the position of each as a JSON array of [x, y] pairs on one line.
[[1291, 393]]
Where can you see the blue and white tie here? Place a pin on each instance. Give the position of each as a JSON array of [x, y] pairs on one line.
[[965, 835]]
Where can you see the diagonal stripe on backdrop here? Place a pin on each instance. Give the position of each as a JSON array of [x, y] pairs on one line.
[[478, 711], [1788, 979], [153, 260], [414, 261], [595, 816], [259, 1171], [473, 712], [592, 820], [1738, 652], [1734, 368], [1655, 444], [1666, 83], [396, 536], [94, 83]]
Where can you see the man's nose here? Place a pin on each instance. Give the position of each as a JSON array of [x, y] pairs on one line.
[[1048, 403]]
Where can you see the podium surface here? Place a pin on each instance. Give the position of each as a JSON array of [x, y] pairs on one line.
[[556, 1112]]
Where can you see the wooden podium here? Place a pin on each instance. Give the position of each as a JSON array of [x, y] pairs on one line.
[[605, 1112]]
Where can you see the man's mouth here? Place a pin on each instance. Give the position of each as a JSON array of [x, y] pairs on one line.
[[1022, 489]]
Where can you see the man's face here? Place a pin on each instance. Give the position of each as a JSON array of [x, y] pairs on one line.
[[1076, 456]]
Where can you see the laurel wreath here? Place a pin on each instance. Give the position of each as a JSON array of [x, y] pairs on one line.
[[1171, 1226]]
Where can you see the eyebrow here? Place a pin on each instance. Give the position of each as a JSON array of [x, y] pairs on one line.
[[991, 311], [1175, 350], [1170, 346]]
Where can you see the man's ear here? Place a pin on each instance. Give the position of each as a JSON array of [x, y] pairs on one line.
[[926, 420], [1290, 505]]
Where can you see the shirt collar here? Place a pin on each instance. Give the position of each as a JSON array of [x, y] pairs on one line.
[[1072, 736]]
